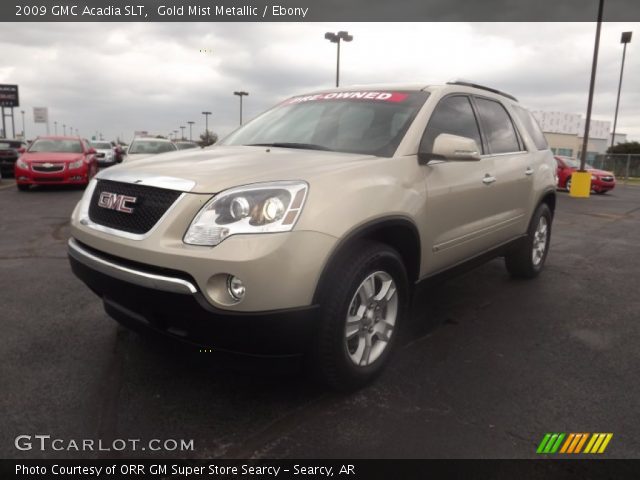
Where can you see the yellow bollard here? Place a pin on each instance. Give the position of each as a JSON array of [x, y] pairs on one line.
[[580, 185]]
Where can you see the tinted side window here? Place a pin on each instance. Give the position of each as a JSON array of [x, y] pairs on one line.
[[497, 127], [453, 115], [532, 127]]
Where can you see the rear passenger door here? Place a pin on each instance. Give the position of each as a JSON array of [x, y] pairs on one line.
[[511, 170]]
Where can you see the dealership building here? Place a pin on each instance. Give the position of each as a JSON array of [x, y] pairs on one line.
[[564, 133]]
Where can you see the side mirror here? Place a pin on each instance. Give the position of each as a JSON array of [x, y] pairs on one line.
[[452, 148], [22, 150], [91, 151]]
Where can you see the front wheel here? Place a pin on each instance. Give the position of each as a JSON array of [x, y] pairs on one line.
[[22, 187], [526, 259], [362, 308]]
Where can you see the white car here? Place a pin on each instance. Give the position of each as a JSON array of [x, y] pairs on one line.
[[104, 153], [142, 147]]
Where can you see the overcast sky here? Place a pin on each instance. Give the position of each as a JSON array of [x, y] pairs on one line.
[[118, 78]]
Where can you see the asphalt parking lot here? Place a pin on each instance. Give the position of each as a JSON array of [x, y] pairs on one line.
[[487, 366]]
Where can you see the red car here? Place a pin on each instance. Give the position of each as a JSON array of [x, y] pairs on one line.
[[601, 180], [56, 160]]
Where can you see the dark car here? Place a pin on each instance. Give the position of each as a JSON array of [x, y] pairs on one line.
[[9, 154]]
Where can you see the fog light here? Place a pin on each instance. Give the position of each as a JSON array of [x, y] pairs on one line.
[[235, 287]]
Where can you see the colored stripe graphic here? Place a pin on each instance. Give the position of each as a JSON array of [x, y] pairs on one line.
[[573, 443], [598, 442], [550, 443]]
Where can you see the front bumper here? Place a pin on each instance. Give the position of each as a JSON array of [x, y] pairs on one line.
[[78, 176], [168, 303]]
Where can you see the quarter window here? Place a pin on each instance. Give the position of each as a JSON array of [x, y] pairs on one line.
[[532, 127], [453, 115], [497, 127]]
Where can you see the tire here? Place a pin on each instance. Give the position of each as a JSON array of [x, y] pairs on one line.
[[567, 184], [22, 187], [526, 259], [346, 365]]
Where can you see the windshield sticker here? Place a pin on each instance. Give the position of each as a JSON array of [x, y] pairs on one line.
[[377, 96]]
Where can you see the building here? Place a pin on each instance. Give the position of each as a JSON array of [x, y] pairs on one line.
[[564, 133]]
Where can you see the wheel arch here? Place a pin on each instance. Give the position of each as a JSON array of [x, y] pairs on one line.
[[398, 232]]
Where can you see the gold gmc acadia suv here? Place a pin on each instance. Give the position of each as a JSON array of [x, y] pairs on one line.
[[306, 230]]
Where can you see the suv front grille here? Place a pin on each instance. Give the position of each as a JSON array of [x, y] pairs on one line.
[[149, 206]]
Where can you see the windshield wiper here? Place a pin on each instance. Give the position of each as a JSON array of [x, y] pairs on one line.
[[304, 146]]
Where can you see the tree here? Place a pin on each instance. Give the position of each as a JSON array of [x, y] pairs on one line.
[[627, 147], [208, 138]]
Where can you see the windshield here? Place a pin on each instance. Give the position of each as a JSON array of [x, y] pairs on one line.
[[367, 122], [56, 146], [101, 145], [151, 147], [574, 163]]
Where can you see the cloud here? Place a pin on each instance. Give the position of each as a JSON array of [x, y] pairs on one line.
[[116, 78]]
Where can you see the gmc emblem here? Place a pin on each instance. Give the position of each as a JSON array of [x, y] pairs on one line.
[[114, 201]]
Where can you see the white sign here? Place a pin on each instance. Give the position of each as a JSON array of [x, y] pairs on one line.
[[40, 115]]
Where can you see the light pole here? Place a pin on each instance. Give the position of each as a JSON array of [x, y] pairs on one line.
[[55, 127], [190, 131], [241, 94], [182, 127], [175, 134], [581, 180], [24, 136], [625, 38], [336, 38], [206, 123], [64, 130]]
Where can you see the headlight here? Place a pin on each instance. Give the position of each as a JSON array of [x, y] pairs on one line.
[[22, 164], [594, 177], [258, 208], [76, 164]]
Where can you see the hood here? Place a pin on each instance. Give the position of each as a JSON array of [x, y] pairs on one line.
[[50, 157], [214, 169], [597, 171]]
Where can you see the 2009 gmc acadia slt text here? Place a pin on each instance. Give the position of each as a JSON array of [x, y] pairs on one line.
[[306, 230]]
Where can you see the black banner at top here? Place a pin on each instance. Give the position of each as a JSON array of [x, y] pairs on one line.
[[316, 10]]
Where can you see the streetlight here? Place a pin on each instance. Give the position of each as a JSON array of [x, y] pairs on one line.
[[190, 126], [24, 136], [335, 38], [581, 180], [175, 134], [55, 127], [241, 94], [64, 130], [625, 38], [182, 127], [206, 122]]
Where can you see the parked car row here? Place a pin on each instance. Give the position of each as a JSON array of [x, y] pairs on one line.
[[72, 160]]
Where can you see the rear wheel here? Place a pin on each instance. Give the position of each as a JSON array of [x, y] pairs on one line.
[[568, 184], [362, 309], [527, 258]]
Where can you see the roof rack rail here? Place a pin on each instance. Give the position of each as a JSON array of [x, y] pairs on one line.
[[467, 83]]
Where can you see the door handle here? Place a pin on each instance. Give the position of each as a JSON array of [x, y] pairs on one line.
[[488, 179], [528, 171]]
